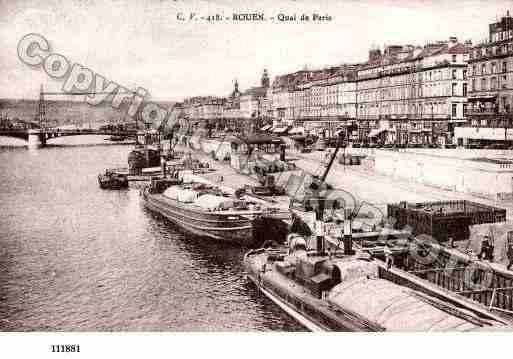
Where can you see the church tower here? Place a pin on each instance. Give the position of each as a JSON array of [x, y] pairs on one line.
[[265, 82]]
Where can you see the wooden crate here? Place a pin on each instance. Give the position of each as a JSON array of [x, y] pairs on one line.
[[444, 219]]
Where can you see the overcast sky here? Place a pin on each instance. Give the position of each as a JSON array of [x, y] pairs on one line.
[[141, 43]]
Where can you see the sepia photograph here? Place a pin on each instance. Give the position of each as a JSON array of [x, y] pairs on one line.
[[239, 167]]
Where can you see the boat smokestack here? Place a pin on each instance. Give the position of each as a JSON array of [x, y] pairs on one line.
[[163, 166], [319, 225], [348, 237], [282, 152]]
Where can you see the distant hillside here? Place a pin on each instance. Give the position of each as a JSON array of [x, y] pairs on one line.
[[61, 113]]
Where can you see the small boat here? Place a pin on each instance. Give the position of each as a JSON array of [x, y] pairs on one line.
[[202, 209], [117, 138], [112, 180]]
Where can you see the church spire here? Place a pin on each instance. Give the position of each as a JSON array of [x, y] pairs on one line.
[[236, 92], [265, 82]]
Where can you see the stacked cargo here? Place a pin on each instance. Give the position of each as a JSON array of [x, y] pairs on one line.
[[444, 219]]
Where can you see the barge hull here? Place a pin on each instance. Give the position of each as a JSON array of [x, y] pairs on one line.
[[301, 319], [314, 314], [237, 231]]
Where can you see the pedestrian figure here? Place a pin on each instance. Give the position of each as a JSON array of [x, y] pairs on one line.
[[327, 156], [389, 259], [485, 248], [510, 256]]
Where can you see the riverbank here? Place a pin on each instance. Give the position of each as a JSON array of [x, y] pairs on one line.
[[377, 190]]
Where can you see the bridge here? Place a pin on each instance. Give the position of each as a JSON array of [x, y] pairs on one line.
[[37, 135]]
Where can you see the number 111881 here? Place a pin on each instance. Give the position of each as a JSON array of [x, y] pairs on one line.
[[75, 348]]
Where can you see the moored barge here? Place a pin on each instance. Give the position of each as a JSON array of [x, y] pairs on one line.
[[203, 210], [343, 291]]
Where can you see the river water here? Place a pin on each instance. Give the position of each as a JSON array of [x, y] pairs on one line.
[[74, 257]]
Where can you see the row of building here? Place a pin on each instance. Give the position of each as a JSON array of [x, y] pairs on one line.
[[442, 92]]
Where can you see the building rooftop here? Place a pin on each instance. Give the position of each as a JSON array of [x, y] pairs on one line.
[[410, 53]]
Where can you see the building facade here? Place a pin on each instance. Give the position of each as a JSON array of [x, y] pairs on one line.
[[315, 99], [490, 69], [238, 111], [443, 92], [413, 94], [325, 99]]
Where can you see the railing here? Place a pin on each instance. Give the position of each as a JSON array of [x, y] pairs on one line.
[[466, 281], [500, 299], [460, 308]]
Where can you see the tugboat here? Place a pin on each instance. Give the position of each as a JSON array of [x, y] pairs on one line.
[[112, 180], [343, 290], [142, 157]]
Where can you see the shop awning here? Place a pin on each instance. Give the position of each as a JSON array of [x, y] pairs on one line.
[[482, 96]]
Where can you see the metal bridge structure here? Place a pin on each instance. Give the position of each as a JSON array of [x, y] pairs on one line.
[[38, 137]]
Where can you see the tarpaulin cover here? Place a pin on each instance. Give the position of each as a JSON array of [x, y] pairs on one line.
[[187, 196], [394, 307], [212, 202], [172, 192], [181, 194]]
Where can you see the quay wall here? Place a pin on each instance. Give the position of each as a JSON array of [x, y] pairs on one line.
[[450, 169], [461, 153], [456, 174]]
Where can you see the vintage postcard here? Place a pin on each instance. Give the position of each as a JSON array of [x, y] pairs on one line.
[[246, 166]]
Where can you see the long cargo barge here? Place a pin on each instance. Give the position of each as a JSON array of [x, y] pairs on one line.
[[202, 210], [339, 292]]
